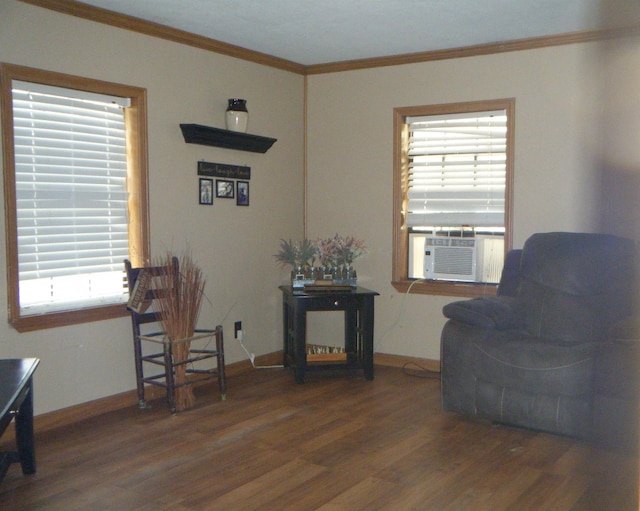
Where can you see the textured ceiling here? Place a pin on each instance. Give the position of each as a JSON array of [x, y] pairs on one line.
[[323, 31]]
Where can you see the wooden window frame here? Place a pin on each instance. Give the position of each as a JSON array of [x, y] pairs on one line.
[[400, 271], [137, 185]]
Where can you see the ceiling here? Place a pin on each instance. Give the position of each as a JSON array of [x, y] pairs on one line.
[[311, 32]]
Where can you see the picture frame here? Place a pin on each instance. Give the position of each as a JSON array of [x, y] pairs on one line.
[[205, 195], [242, 193], [225, 189]]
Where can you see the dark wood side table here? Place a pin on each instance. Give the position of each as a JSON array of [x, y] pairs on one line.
[[358, 308], [16, 401]]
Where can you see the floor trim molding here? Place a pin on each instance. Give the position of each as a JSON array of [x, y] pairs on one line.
[[83, 411], [386, 359]]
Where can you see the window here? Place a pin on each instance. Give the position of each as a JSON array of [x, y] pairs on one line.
[[75, 177], [452, 196]]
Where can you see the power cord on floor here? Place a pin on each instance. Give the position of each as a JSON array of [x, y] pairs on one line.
[[420, 372], [252, 356]]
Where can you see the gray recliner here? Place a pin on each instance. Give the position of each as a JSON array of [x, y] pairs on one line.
[[544, 353]]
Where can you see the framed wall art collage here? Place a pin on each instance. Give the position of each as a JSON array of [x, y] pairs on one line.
[[223, 181]]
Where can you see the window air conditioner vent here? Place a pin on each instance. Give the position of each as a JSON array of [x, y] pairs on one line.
[[450, 258]]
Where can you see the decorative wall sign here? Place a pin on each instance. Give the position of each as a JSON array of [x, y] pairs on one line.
[[206, 168]]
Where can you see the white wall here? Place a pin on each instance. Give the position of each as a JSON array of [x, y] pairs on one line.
[[558, 166], [350, 167], [234, 245]]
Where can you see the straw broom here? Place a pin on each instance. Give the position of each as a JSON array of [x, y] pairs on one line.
[[179, 309]]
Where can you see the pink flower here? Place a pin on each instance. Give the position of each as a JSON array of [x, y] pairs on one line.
[[337, 251]]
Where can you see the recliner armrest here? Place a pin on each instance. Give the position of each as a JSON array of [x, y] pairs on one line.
[[493, 312]]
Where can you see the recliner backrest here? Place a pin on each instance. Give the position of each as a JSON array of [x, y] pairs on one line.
[[573, 286], [510, 277]]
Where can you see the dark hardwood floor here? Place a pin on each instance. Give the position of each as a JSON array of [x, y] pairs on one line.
[[334, 443]]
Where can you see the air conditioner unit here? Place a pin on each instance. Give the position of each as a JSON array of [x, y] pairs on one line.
[[450, 258], [489, 259]]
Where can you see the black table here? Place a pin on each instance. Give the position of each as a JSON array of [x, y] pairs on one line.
[[358, 307], [16, 402]]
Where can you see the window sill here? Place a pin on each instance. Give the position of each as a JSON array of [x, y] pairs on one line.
[[67, 318], [433, 287]]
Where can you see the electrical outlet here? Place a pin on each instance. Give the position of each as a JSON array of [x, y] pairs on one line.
[[237, 327]]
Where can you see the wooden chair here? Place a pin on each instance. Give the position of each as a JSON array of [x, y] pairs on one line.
[[151, 340]]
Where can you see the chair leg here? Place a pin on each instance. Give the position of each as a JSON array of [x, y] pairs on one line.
[[169, 376], [222, 380], [137, 350]]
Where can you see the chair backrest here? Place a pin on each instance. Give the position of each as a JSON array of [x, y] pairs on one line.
[[510, 278], [146, 308], [573, 286]]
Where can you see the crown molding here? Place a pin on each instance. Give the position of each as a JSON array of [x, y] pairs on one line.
[[99, 15], [149, 28], [474, 51]]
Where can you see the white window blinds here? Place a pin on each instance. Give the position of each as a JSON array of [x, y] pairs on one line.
[[457, 170], [71, 197]]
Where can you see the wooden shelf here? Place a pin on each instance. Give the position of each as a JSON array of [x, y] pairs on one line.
[[205, 135], [316, 353], [326, 357]]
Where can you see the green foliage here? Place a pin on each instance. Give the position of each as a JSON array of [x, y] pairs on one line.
[[331, 252], [299, 253]]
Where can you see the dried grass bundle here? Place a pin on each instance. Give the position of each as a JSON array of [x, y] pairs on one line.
[[179, 309]]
